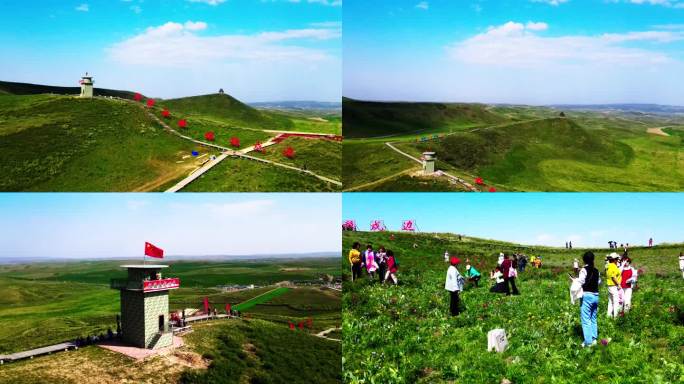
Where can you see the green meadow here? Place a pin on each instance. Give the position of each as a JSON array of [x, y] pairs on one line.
[[513, 148], [404, 333], [47, 303]]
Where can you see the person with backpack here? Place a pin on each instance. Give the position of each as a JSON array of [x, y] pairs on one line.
[[454, 284], [589, 278], [629, 279], [392, 266], [355, 260], [509, 274]]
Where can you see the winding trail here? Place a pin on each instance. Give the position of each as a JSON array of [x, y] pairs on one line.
[[658, 131], [228, 152], [323, 334]]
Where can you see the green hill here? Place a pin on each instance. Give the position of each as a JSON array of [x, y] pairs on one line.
[[12, 88], [63, 143], [375, 119], [406, 335], [510, 154], [227, 109]]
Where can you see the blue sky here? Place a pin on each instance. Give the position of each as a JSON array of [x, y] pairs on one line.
[[586, 219], [110, 224], [515, 51], [256, 50]]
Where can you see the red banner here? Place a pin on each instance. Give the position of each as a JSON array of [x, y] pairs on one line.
[[161, 285], [182, 123], [206, 305]]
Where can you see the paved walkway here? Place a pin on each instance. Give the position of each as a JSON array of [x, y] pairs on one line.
[[30, 354]]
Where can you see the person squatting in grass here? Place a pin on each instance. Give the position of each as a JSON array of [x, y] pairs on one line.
[[391, 268], [629, 279], [355, 260], [613, 280], [509, 274], [454, 284], [472, 274], [371, 264], [590, 280], [497, 276]]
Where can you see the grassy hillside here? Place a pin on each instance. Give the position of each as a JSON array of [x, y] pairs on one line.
[[373, 119], [8, 87], [227, 109], [321, 156], [49, 303], [404, 334], [62, 143]]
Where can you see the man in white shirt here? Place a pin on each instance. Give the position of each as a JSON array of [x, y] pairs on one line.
[[454, 284]]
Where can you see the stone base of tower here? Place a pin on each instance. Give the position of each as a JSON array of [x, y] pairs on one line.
[[141, 353]]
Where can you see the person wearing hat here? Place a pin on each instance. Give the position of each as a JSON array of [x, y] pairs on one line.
[[454, 284], [472, 274], [613, 280]]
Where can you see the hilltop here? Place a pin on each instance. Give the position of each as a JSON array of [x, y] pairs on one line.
[[373, 119], [229, 110], [12, 88], [542, 326]]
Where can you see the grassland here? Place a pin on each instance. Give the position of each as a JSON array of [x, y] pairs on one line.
[[321, 156], [242, 175], [514, 148], [58, 142], [403, 334], [49, 303]]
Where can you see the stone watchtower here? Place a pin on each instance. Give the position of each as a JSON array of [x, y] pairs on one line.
[[145, 306], [428, 163], [86, 86]]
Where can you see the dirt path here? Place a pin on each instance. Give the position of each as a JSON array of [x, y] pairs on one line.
[[657, 131], [323, 334], [380, 181]]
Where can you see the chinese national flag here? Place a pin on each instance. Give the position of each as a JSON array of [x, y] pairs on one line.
[[152, 251]]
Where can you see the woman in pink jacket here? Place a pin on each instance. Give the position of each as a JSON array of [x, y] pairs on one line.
[[391, 268]]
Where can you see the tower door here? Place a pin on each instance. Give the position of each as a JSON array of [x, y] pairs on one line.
[[161, 323]]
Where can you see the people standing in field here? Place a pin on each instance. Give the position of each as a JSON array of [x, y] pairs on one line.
[[522, 263], [509, 275], [575, 266], [381, 259], [681, 263], [454, 284], [371, 264], [355, 260], [391, 268], [589, 278], [500, 259], [629, 279], [613, 279], [570, 244], [473, 275], [497, 276], [650, 242]]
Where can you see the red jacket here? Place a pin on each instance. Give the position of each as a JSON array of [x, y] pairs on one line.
[[391, 265], [505, 266], [626, 275]]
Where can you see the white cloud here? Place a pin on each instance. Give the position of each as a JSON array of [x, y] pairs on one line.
[[331, 3], [83, 8], [424, 5], [209, 2], [665, 3], [555, 3], [136, 8], [517, 45], [175, 44]]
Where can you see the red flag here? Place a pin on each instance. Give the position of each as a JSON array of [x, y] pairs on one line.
[[492, 189], [209, 135], [152, 251], [228, 308], [182, 123], [206, 305], [166, 113], [301, 325], [258, 147], [289, 152], [150, 103], [479, 181], [137, 97], [235, 142], [291, 325]]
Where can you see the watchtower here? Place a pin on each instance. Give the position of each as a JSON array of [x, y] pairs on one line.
[[428, 163], [86, 86], [145, 306]]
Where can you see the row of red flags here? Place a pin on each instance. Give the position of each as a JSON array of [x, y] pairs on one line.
[[301, 324]]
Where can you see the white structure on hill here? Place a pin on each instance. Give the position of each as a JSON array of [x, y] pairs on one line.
[[86, 86]]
